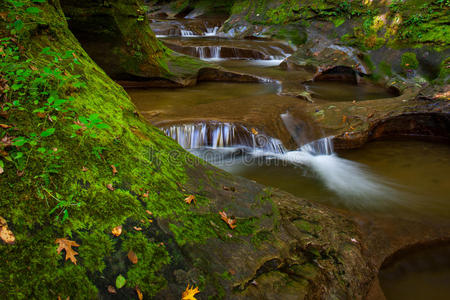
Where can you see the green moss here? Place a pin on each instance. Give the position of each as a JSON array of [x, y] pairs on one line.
[[151, 258], [385, 68], [409, 61], [143, 156]]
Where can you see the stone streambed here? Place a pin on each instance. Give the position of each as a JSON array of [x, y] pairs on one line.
[[396, 189]]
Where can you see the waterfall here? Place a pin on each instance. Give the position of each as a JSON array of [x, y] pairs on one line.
[[211, 31], [187, 33], [215, 51], [218, 135], [200, 52], [212, 53]]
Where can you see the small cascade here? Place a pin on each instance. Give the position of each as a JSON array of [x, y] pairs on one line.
[[187, 33], [219, 135], [323, 146], [215, 51], [211, 31], [208, 52]]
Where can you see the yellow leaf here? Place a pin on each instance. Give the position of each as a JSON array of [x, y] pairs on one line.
[[117, 230], [189, 293], [139, 293], [5, 234]]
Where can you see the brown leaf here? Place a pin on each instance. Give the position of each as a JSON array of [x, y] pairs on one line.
[[65, 244], [344, 119], [189, 293], [114, 170], [132, 257], [145, 195], [149, 212], [20, 173], [110, 187], [84, 169], [111, 289], [137, 228], [139, 294], [189, 199], [370, 115], [116, 231], [4, 15], [41, 115], [5, 234], [254, 131], [1, 170], [4, 126], [231, 222], [33, 68], [229, 188]]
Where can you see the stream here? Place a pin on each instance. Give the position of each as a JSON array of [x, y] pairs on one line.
[[221, 122]]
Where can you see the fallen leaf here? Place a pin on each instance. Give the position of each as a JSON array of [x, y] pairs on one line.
[[40, 115], [189, 293], [111, 289], [254, 131], [1, 170], [139, 293], [229, 188], [228, 220], [145, 195], [84, 169], [132, 257], [114, 170], [5, 234], [120, 281], [137, 228], [20, 173], [65, 244], [370, 115], [116, 231], [149, 212], [33, 68], [344, 119], [110, 187], [189, 199], [4, 126]]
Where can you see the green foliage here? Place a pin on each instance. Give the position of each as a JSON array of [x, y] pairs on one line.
[[409, 61]]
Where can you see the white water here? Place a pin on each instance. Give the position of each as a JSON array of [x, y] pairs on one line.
[[219, 135], [187, 33], [211, 31], [213, 52]]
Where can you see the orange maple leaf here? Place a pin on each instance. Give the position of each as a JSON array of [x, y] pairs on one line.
[[228, 220], [189, 293], [189, 199], [65, 244]]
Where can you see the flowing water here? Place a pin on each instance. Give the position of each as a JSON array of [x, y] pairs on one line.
[[397, 177]]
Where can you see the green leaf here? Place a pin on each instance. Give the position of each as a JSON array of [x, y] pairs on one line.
[[48, 132], [16, 86], [32, 10], [20, 141], [102, 126], [39, 1], [120, 281]]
